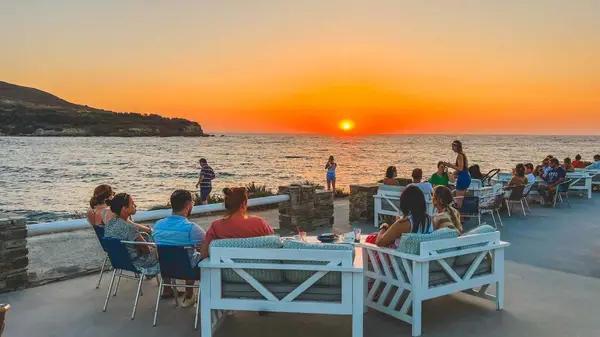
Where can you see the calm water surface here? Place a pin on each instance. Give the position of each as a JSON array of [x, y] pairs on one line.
[[53, 178]]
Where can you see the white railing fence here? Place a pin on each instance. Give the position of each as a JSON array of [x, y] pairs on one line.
[[78, 224]]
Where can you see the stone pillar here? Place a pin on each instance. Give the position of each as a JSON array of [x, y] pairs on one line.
[[13, 252], [362, 204], [307, 209]]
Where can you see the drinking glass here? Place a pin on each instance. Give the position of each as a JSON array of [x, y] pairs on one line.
[[303, 236], [357, 234]]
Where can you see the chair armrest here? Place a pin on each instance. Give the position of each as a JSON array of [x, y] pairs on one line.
[[138, 243], [393, 252]]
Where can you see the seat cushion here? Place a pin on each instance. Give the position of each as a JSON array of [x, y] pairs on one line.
[[299, 276], [267, 276], [410, 243], [315, 293], [469, 258], [441, 278]]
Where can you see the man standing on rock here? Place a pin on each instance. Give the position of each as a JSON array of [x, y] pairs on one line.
[[205, 181]]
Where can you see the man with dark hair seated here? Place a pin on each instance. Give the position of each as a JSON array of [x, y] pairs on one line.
[[177, 230], [554, 177]]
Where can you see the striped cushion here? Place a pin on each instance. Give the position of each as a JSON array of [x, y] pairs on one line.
[[267, 276], [299, 276], [411, 243]]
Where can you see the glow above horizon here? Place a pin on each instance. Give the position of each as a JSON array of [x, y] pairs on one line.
[[390, 66]]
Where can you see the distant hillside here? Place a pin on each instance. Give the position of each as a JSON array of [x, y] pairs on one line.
[[25, 95], [32, 112]]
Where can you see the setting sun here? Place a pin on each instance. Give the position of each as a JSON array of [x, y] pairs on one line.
[[346, 125]]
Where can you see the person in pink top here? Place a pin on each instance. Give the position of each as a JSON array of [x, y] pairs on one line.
[[237, 224]]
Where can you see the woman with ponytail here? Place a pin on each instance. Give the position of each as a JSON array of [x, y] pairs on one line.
[[236, 224], [120, 227], [447, 216]]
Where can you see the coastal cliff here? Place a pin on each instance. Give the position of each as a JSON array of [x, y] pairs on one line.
[[31, 112]]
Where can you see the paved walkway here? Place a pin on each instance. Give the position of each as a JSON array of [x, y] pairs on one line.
[[552, 289]]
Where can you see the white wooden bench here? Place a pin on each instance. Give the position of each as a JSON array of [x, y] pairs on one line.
[[218, 296], [387, 202], [459, 267]]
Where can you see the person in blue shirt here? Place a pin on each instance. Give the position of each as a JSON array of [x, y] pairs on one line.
[[596, 164], [554, 177], [177, 230]]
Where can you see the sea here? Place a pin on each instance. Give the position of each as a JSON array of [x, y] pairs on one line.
[[52, 178]]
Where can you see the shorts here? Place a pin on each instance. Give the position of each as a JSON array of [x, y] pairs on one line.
[[204, 192], [330, 176], [463, 180]]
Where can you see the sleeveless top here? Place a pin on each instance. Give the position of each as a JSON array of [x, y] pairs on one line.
[[465, 168], [427, 230], [94, 211], [332, 167], [428, 227]]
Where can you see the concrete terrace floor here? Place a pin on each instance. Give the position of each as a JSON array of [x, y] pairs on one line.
[[552, 289]]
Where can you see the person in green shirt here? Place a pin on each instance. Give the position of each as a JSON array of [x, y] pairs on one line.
[[441, 177]]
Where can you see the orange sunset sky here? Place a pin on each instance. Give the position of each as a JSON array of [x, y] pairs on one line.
[[391, 66]]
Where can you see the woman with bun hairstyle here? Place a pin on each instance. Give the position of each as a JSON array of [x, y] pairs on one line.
[[120, 227], [99, 212], [236, 224]]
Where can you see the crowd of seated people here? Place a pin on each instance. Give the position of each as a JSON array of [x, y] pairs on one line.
[[548, 175], [114, 212]]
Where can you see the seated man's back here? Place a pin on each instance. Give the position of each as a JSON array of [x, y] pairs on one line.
[[426, 187], [176, 230]]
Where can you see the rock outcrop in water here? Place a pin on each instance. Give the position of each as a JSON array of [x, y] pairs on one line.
[[32, 112]]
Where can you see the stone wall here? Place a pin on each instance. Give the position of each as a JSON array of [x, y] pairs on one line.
[[13, 252], [362, 204], [307, 209]]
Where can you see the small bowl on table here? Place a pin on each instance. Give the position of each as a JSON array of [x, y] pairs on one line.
[[328, 237]]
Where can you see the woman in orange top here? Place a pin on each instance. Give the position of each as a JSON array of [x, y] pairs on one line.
[[390, 176], [237, 224]]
